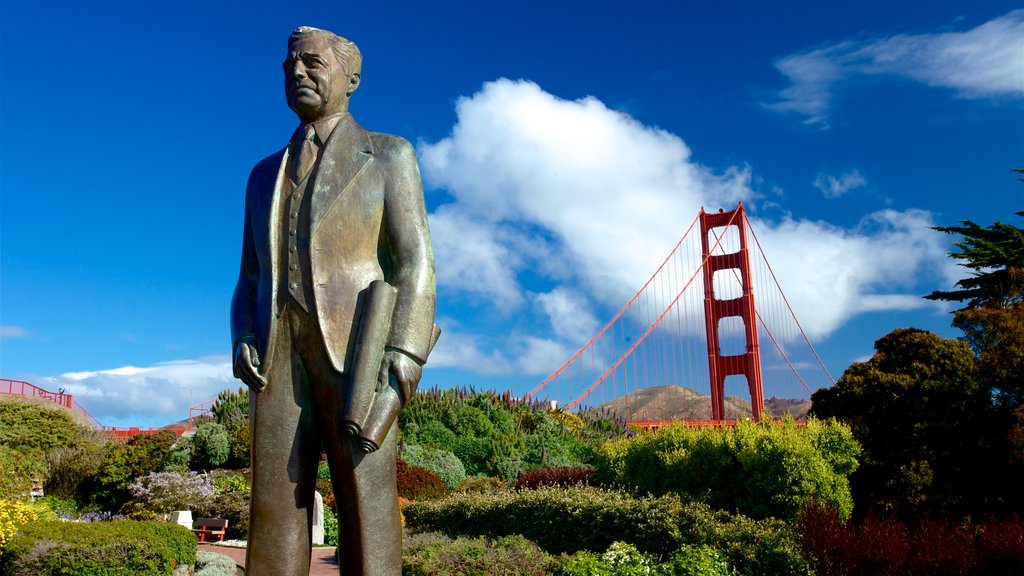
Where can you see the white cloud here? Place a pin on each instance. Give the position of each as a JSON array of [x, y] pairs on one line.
[[830, 274], [569, 314], [587, 202], [984, 62], [12, 332], [155, 395], [834, 187]]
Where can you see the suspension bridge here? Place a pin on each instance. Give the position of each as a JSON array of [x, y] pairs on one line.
[[703, 341]]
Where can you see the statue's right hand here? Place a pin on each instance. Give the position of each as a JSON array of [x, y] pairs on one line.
[[246, 367]]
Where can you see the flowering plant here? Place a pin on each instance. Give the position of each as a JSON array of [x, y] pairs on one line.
[[164, 492]]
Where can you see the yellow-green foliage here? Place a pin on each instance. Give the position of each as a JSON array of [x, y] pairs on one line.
[[12, 516], [760, 470]]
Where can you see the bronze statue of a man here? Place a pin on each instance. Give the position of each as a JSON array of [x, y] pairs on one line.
[[333, 311]]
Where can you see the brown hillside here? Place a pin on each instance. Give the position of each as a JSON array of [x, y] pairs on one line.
[[679, 403]]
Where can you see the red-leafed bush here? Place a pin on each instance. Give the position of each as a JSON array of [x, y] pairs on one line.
[[886, 546], [564, 476], [1000, 546], [417, 483]]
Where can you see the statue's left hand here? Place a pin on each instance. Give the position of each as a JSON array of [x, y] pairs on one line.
[[406, 371]]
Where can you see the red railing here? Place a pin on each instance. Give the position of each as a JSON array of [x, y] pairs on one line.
[[21, 388]]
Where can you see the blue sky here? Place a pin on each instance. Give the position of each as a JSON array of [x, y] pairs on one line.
[[127, 131]]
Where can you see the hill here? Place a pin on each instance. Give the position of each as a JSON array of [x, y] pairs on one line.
[[680, 403]]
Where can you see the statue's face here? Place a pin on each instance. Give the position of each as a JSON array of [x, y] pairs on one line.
[[314, 81]]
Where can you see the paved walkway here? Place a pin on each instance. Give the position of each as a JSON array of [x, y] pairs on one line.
[[322, 563]]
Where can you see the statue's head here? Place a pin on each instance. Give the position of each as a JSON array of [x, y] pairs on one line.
[[321, 72]]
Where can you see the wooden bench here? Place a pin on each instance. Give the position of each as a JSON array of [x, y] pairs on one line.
[[213, 527]]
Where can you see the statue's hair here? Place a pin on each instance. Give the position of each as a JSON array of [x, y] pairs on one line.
[[345, 50]]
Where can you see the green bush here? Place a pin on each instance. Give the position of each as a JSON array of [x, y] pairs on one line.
[[760, 470], [500, 435], [587, 518], [29, 430], [212, 446], [330, 527], [71, 466], [429, 554], [19, 470], [213, 564], [558, 520], [622, 559], [441, 462], [122, 548], [482, 484], [36, 427]]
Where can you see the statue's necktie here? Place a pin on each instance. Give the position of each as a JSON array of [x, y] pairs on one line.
[[305, 156]]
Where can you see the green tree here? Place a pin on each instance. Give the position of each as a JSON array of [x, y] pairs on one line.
[[990, 253], [922, 417]]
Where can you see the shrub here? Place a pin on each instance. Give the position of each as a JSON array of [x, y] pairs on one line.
[[558, 520], [70, 467], [428, 554], [19, 471], [554, 477], [760, 470], [123, 548], [417, 483], [37, 428], [107, 489], [621, 559], [885, 545], [766, 547], [330, 526], [231, 502], [588, 518], [213, 564], [165, 492], [12, 516], [146, 452], [483, 484], [441, 462], [699, 561], [212, 446], [179, 457], [241, 444]]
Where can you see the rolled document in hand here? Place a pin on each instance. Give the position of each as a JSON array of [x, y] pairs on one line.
[[374, 327], [387, 403]]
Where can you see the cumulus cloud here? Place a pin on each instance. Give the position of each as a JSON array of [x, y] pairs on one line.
[[155, 395], [983, 62], [12, 332], [586, 202], [834, 187], [830, 274]]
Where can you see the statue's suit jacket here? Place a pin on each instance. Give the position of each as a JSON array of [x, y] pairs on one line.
[[368, 222]]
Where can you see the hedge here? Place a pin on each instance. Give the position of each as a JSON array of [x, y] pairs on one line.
[[588, 518], [120, 548]]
